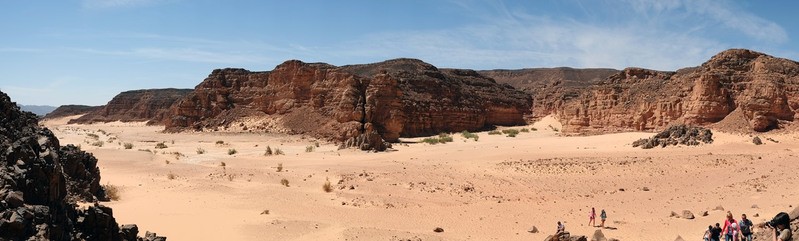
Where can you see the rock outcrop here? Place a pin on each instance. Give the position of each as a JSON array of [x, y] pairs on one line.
[[135, 105], [48, 192], [677, 135], [550, 88], [71, 110], [735, 88], [397, 98]]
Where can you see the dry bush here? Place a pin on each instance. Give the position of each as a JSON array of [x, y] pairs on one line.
[[98, 143], [279, 152], [128, 145], [268, 151], [200, 150], [280, 167], [327, 187], [111, 192], [171, 176], [232, 151], [309, 148], [284, 182], [160, 145]]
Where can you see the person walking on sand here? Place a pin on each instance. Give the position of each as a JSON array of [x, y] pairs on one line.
[[592, 218], [729, 229], [715, 234], [603, 216], [746, 228], [708, 232]]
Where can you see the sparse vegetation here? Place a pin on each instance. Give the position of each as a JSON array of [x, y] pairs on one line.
[[309, 148], [280, 167], [171, 176], [316, 143], [469, 135], [284, 182], [98, 143], [160, 145], [93, 136], [128, 146], [266, 211], [327, 187], [102, 131], [494, 132], [442, 138], [200, 150], [167, 162], [220, 142], [534, 129], [222, 164], [268, 151], [553, 128], [279, 152], [232, 151], [524, 130], [111, 192]]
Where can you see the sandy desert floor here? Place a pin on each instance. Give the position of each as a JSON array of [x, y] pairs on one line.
[[496, 188]]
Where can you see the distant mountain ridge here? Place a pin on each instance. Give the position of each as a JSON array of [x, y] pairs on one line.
[[39, 110]]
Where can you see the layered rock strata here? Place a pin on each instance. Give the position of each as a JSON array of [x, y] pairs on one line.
[[760, 90], [397, 98], [135, 105]]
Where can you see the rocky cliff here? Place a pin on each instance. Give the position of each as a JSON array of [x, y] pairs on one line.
[[135, 105], [42, 184], [550, 88], [71, 110], [735, 89], [395, 98]]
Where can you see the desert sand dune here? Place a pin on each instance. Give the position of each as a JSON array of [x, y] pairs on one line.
[[495, 188]]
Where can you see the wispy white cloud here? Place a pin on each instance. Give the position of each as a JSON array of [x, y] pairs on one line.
[[183, 54], [514, 38], [723, 12], [21, 50]]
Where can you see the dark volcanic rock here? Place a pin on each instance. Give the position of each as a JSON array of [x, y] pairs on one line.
[[674, 135], [550, 87], [399, 98], [735, 89], [41, 183], [71, 110], [135, 105]]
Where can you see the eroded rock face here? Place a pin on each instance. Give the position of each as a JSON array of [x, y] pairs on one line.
[[135, 105], [398, 98], [550, 88], [761, 87], [42, 182], [71, 110], [677, 135]]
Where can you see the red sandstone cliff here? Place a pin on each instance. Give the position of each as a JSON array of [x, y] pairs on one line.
[[395, 98], [550, 88], [735, 88], [70, 110], [135, 105]]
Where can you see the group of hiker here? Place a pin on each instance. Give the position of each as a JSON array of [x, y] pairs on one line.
[[742, 230]]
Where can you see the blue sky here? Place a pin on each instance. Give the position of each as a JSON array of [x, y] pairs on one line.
[[87, 51]]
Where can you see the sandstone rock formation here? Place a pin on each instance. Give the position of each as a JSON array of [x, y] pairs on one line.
[[135, 105], [397, 98], [550, 88], [41, 184], [736, 87], [71, 110]]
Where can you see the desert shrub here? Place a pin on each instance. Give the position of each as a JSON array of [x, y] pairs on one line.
[[160, 145], [512, 135], [430, 140], [232, 151], [222, 164], [444, 138], [266, 211], [173, 142], [200, 150], [171, 176], [167, 162], [111, 192], [93, 136], [469, 135], [327, 187], [534, 129], [316, 143], [494, 132], [220, 142], [98, 143], [309, 148], [510, 131], [279, 152], [268, 151], [524, 130], [128, 145], [102, 131], [280, 167], [284, 182]]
